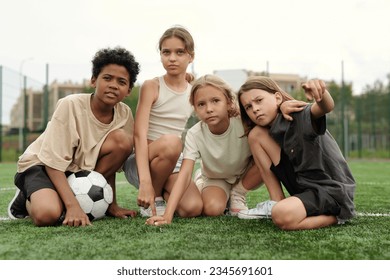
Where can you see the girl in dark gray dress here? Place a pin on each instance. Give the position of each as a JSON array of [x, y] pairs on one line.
[[302, 154]]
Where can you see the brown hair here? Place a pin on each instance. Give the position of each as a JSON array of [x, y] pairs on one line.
[[182, 34], [263, 83], [218, 83]]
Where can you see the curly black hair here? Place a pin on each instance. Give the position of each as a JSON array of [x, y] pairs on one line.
[[119, 56]]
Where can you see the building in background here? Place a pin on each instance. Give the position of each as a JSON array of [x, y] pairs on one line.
[[60, 90], [34, 118], [236, 77]]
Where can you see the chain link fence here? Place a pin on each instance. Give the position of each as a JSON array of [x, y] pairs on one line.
[[360, 124], [20, 111]]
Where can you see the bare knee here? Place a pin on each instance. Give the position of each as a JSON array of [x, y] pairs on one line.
[[214, 201], [172, 146], [117, 144], [120, 142], [192, 208], [283, 218], [45, 207], [46, 215], [213, 208]]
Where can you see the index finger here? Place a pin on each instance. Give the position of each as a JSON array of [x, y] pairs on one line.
[[153, 207], [312, 90]]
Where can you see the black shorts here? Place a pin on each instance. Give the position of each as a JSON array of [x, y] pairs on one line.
[[34, 179], [316, 199]]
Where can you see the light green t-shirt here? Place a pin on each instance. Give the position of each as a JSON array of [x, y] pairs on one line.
[[224, 156]]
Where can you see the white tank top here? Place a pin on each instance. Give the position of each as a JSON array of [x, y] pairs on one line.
[[170, 112]]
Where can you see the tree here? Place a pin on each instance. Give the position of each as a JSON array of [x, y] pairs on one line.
[[132, 99]]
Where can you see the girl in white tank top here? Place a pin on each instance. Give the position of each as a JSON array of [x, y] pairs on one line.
[[162, 113]]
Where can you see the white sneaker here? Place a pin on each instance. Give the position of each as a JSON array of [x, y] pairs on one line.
[[262, 210], [160, 208], [237, 202]]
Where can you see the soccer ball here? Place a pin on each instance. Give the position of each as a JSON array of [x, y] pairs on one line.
[[92, 191]]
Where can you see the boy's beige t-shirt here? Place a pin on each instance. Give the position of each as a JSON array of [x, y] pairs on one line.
[[73, 137]]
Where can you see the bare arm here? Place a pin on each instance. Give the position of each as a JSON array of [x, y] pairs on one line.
[[178, 189], [75, 216], [316, 89], [147, 96]]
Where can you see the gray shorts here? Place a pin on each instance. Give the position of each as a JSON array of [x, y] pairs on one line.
[[131, 171]]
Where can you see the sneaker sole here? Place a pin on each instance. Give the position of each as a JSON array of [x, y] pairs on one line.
[[252, 217], [234, 213]]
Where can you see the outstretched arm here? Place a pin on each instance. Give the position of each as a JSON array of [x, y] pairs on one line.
[[316, 89], [178, 189]]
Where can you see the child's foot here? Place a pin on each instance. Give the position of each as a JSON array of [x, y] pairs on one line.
[[17, 207], [160, 208], [237, 201], [262, 211]]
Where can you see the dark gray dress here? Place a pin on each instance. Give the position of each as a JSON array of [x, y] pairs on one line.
[[312, 166]]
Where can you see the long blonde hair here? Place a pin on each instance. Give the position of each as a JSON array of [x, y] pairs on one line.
[[263, 83], [218, 83]]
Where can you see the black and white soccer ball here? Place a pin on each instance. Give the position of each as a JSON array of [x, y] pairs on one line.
[[92, 191]]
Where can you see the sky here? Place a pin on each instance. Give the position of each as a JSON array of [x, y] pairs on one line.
[[310, 38]]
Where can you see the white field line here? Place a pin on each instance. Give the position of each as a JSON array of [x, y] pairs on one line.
[[7, 189], [373, 183], [365, 214]]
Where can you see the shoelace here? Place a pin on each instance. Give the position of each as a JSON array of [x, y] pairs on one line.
[[238, 198], [159, 203], [262, 206]]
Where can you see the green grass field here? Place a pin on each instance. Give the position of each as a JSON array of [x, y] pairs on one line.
[[366, 237]]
